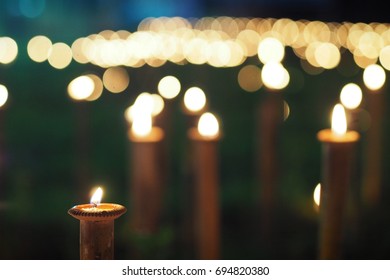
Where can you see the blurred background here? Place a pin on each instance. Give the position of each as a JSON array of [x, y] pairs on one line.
[[56, 146]]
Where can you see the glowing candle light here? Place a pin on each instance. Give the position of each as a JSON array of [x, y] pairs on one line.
[[208, 126], [337, 148], [339, 121], [205, 138], [317, 196], [142, 125], [97, 196], [338, 131], [97, 227]]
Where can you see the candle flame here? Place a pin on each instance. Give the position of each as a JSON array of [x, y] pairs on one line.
[[142, 124], [339, 120], [317, 194], [97, 196], [208, 125]]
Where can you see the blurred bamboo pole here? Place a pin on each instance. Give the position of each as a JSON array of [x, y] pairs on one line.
[[270, 118], [372, 170], [206, 196]]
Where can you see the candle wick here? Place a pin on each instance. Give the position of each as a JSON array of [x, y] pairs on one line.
[[94, 205]]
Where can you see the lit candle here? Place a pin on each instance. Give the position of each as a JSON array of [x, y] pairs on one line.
[[337, 148], [193, 105], [97, 227], [270, 117], [374, 77], [206, 176], [146, 187]]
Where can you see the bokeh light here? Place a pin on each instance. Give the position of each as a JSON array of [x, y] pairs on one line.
[[8, 50], [249, 78], [32, 9], [158, 104], [270, 50], [3, 95], [275, 76], [98, 88], [374, 77], [351, 96], [39, 48], [60, 55], [194, 99], [384, 57], [116, 79], [81, 88], [169, 87]]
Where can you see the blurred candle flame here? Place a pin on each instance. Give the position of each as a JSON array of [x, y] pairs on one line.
[[97, 196], [339, 120], [142, 124], [317, 194], [208, 125]]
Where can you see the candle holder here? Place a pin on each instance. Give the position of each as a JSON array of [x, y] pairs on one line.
[[97, 229]]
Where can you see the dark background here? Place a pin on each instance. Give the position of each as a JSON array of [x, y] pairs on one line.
[[40, 132]]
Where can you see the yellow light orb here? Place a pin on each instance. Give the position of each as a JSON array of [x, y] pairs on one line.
[[351, 96], [208, 125], [275, 76], [39, 48], [3, 95], [270, 50], [8, 50], [194, 99], [374, 76], [60, 56], [169, 87], [81, 88]]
